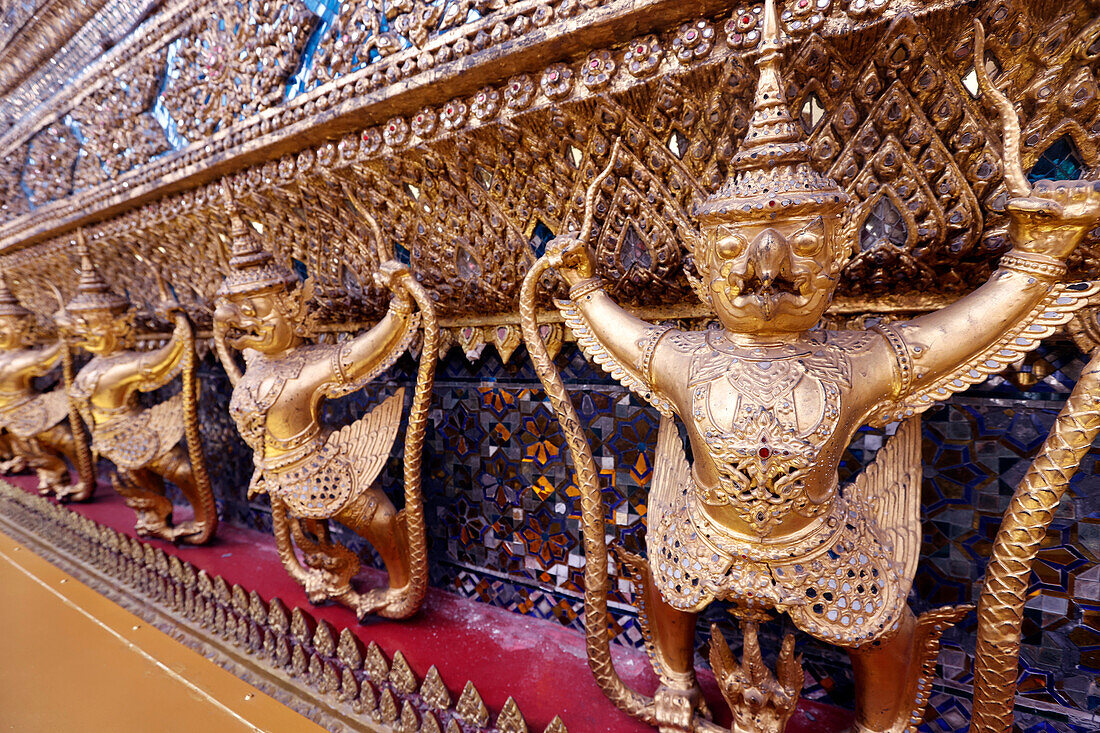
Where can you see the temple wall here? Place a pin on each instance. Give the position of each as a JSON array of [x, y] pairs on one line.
[[471, 141], [504, 514]]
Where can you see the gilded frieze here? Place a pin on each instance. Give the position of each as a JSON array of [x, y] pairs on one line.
[[233, 63], [490, 177], [116, 123]]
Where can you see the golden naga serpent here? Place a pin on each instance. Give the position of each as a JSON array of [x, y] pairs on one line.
[[85, 462], [1025, 523], [593, 510], [413, 457], [85, 465], [190, 390], [1001, 608]]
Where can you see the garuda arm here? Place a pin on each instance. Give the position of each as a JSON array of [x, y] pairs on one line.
[[357, 361], [620, 342], [36, 362], [945, 352], [154, 369], [949, 350]]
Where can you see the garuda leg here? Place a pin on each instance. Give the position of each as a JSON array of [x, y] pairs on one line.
[[59, 441], [894, 676], [143, 491], [175, 466], [372, 516]]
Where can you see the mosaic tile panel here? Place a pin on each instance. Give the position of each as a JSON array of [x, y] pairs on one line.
[[503, 513]]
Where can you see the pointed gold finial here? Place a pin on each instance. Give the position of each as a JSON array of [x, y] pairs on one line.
[[252, 268], [771, 170], [92, 291]]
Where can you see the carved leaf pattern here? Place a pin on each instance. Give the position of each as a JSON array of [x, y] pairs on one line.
[[894, 122], [48, 174], [235, 63]]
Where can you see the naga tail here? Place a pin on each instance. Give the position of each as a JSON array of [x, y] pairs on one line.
[[413, 513], [206, 513], [593, 511], [85, 464], [1001, 608]]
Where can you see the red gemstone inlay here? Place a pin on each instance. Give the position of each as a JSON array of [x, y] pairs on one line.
[[764, 451]]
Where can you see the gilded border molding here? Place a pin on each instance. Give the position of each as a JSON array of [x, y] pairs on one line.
[[326, 675], [41, 37], [348, 106]]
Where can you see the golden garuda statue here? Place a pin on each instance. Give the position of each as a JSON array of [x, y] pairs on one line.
[[143, 444], [310, 473], [35, 423], [770, 400]]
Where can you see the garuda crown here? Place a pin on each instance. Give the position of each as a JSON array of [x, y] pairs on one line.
[[771, 172]]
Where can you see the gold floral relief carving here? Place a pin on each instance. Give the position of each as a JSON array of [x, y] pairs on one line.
[[235, 63], [472, 188], [116, 123], [319, 227], [365, 30], [13, 200], [48, 174]]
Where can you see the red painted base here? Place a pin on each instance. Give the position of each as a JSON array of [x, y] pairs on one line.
[[539, 663]]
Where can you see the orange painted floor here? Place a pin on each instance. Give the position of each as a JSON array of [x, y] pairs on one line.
[[71, 660]]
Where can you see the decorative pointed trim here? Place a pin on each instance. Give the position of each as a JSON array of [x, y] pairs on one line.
[[291, 655]]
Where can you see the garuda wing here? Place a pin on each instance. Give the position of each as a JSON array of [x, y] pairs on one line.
[[1056, 309], [369, 440], [144, 437], [36, 415], [671, 470], [889, 490]]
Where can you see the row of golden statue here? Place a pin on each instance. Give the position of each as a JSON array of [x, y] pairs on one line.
[[769, 401]]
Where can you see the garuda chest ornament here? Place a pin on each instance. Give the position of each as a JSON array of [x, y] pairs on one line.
[[312, 473], [769, 402], [766, 417]]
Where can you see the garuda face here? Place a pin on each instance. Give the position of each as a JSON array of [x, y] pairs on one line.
[[100, 332], [772, 276], [14, 331], [263, 321]]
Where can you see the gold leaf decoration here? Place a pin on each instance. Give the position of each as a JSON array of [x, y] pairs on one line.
[[401, 675], [470, 707], [434, 692], [324, 640], [375, 664], [348, 650], [510, 719]]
